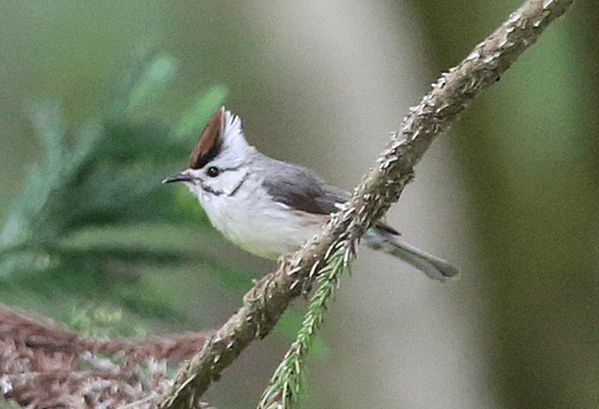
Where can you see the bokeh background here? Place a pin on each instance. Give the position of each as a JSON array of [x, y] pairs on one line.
[[510, 193]]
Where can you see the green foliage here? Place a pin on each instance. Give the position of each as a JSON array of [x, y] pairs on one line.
[[290, 325], [141, 82], [106, 174], [100, 322], [289, 377], [153, 80]]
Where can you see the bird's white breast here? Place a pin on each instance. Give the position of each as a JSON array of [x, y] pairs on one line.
[[253, 221]]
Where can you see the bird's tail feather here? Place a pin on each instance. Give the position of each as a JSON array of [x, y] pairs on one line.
[[432, 266]]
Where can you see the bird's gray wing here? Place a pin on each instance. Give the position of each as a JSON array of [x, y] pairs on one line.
[[296, 187]]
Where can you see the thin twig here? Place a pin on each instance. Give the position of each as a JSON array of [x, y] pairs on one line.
[[289, 377], [267, 300]]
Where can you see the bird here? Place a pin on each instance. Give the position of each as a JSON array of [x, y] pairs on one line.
[[270, 207]]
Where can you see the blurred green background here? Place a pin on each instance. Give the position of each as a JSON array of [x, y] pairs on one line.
[[102, 100]]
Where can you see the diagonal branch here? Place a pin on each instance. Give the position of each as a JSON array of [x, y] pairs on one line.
[[382, 186]]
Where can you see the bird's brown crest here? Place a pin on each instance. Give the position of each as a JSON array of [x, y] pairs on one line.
[[209, 143]]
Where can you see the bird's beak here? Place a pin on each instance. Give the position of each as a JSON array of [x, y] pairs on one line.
[[181, 176]]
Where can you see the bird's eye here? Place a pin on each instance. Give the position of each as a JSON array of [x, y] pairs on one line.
[[212, 171]]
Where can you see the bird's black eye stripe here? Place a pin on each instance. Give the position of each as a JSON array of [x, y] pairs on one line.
[[212, 171]]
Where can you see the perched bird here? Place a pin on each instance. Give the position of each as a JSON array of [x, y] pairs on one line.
[[270, 207]]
